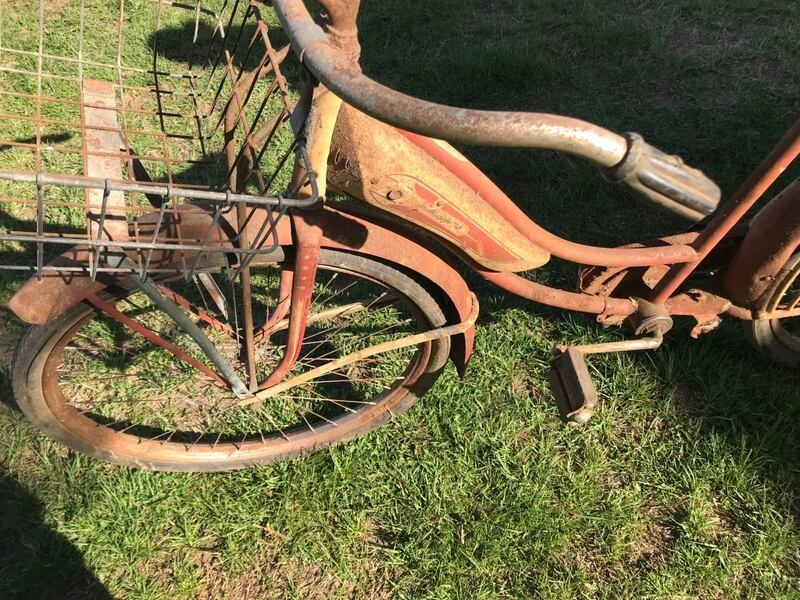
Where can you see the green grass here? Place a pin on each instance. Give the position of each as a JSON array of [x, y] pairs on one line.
[[684, 485]]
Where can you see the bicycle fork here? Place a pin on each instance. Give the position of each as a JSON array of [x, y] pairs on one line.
[[307, 244]]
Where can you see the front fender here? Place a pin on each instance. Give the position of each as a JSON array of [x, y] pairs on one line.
[[39, 301]]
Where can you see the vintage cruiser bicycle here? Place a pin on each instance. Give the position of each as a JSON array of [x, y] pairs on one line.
[[198, 302]]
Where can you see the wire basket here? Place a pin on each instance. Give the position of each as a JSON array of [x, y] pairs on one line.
[[118, 111]]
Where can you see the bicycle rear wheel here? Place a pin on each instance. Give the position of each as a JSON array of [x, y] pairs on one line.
[[103, 389], [779, 339]]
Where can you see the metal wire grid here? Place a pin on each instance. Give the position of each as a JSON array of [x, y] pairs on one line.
[[200, 107]]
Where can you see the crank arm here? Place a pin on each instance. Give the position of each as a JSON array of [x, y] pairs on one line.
[[570, 381]]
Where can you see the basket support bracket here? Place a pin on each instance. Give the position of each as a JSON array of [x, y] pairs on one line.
[[103, 145], [172, 310]]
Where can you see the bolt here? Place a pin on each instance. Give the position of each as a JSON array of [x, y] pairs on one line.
[[395, 194]]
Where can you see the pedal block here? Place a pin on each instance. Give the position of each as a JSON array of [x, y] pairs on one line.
[[572, 386]]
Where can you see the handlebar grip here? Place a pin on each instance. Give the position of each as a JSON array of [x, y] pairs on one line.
[[665, 180]]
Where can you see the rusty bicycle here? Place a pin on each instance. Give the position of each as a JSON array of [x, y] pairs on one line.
[[200, 296]]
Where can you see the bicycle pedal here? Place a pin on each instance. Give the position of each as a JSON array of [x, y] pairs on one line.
[[571, 386]]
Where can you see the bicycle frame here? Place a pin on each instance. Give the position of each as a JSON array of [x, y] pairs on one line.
[[331, 59], [453, 200], [353, 308], [687, 253]]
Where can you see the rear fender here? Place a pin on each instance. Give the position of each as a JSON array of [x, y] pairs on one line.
[[772, 238], [39, 301]]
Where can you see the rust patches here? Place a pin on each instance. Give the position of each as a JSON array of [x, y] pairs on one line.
[[308, 238], [40, 301], [757, 275], [525, 288], [374, 162], [337, 71]]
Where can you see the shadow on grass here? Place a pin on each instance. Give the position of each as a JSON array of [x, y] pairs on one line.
[[36, 561], [208, 48], [719, 381], [719, 107]]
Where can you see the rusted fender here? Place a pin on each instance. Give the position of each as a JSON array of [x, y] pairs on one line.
[[773, 236], [39, 301], [358, 233]]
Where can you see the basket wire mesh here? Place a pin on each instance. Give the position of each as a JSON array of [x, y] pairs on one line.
[[172, 109]]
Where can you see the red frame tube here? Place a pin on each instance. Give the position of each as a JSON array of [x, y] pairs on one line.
[[684, 258], [754, 187], [460, 166], [530, 290]]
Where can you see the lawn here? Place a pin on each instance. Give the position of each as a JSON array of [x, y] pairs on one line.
[[684, 485]]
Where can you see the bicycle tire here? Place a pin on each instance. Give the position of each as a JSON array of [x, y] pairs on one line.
[[37, 392]]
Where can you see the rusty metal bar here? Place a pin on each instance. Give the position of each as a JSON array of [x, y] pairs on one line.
[[308, 238], [525, 288], [555, 245], [187, 325], [39, 226], [339, 74], [329, 367], [153, 337], [203, 195], [753, 188]]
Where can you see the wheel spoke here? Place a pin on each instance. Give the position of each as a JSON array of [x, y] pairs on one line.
[[129, 384]]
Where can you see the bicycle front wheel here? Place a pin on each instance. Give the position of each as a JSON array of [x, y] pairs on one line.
[[103, 389]]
